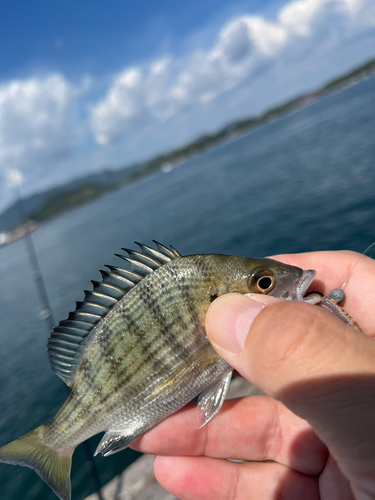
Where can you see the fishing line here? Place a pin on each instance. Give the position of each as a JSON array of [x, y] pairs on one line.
[[359, 258], [338, 294]]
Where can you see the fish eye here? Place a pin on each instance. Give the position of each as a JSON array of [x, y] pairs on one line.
[[262, 282]]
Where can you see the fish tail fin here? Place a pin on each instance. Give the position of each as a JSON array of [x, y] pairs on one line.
[[52, 466]]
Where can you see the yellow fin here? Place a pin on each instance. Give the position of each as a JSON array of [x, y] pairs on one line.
[[53, 467]]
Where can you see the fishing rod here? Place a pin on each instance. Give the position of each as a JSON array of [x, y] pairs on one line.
[[47, 316]]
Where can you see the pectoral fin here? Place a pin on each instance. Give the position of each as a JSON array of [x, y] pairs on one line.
[[211, 399]]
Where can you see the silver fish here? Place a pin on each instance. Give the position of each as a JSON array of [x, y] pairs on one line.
[[135, 351]]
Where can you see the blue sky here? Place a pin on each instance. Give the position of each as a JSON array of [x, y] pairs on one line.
[[90, 84], [97, 36]]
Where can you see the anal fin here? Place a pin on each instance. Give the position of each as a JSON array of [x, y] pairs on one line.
[[117, 440], [211, 399]]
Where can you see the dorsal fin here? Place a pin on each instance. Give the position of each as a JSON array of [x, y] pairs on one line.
[[68, 339]]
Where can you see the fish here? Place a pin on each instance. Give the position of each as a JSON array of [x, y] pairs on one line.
[[135, 351]]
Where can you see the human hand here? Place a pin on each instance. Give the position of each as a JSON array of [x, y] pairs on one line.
[[313, 436]]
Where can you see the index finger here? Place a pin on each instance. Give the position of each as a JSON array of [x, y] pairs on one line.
[[254, 428], [334, 268]]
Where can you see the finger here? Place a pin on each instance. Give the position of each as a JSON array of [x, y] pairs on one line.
[[255, 428], [319, 367], [336, 268], [332, 484], [202, 478]]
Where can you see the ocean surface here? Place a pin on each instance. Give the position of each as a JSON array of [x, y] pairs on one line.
[[305, 182]]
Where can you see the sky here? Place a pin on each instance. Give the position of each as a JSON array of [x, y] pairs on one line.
[[89, 85]]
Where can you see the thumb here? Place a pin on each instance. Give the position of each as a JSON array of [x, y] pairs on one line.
[[319, 367]]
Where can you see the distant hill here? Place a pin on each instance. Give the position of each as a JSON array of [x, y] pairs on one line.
[[46, 205], [101, 183]]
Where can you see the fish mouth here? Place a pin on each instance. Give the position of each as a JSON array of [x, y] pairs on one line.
[[298, 290]]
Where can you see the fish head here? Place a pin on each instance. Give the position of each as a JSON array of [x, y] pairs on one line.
[[270, 277]]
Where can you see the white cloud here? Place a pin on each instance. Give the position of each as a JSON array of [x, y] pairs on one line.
[[36, 120], [298, 17], [136, 95], [14, 177], [158, 91], [120, 106], [263, 36]]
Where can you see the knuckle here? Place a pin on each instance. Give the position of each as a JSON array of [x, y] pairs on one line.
[[274, 433]]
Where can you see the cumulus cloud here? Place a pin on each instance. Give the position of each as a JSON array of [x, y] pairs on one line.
[[134, 97], [14, 177], [156, 92], [36, 121], [299, 17]]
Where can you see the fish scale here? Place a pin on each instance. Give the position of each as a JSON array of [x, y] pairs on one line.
[[139, 308], [135, 351]]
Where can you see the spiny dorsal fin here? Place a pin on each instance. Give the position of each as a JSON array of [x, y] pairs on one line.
[[68, 339]]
